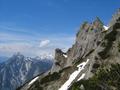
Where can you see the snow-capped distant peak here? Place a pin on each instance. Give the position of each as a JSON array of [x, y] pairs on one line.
[[28, 58], [46, 56], [23, 69], [105, 27]]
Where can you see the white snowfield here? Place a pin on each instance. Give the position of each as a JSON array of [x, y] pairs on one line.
[[105, 27], [31, 82], [73, 76], [65, 55]]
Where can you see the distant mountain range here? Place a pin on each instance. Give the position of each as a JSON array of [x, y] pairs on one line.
[[3, 59], [19, 69]]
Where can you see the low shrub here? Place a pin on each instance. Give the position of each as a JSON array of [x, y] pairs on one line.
[[104, 79], [50, 77], [110, 37]]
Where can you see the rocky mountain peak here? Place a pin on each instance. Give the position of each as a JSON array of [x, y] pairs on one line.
[[115, 17], [58, 51], [87, 39], [97, 23], [93, 52]]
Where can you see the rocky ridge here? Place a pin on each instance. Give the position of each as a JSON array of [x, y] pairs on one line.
[[94, 42]]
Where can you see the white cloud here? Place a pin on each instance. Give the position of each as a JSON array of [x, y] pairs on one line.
[[44, 43], [35, 48], [26, 41], [28, 45]]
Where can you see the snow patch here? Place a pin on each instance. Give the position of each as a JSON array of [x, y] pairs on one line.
[[72, 77], [33, 80], [65, 55], [105, 27], [82, 76]]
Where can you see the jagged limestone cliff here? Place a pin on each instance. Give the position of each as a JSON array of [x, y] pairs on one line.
[[93, 42]]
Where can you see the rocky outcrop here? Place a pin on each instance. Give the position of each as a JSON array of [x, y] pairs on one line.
[[93, 42], [87, 39], [59, 61], [115, 17], [105, 62], [60, 57]]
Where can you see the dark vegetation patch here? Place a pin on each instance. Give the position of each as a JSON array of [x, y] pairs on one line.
[[103, 44], [98, 43], [19, 88], [119, 46], [36, 86], [104, 79], [80, 59], [91, 51], [50, 77], [93, 70], [96, 65], [96, 58], [118, 20], [110, 37], [54, 76], [64, 69], [117, 26], [57, 63]]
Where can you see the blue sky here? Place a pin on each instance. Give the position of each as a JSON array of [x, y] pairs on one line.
[[36, 27]]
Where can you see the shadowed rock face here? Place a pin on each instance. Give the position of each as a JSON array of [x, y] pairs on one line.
[[60, 60], [59, 56], [101, 48]]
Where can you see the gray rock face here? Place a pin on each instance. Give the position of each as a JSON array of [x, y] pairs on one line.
[[88, 38], [60, 60], [101, 47], [115, 17]]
